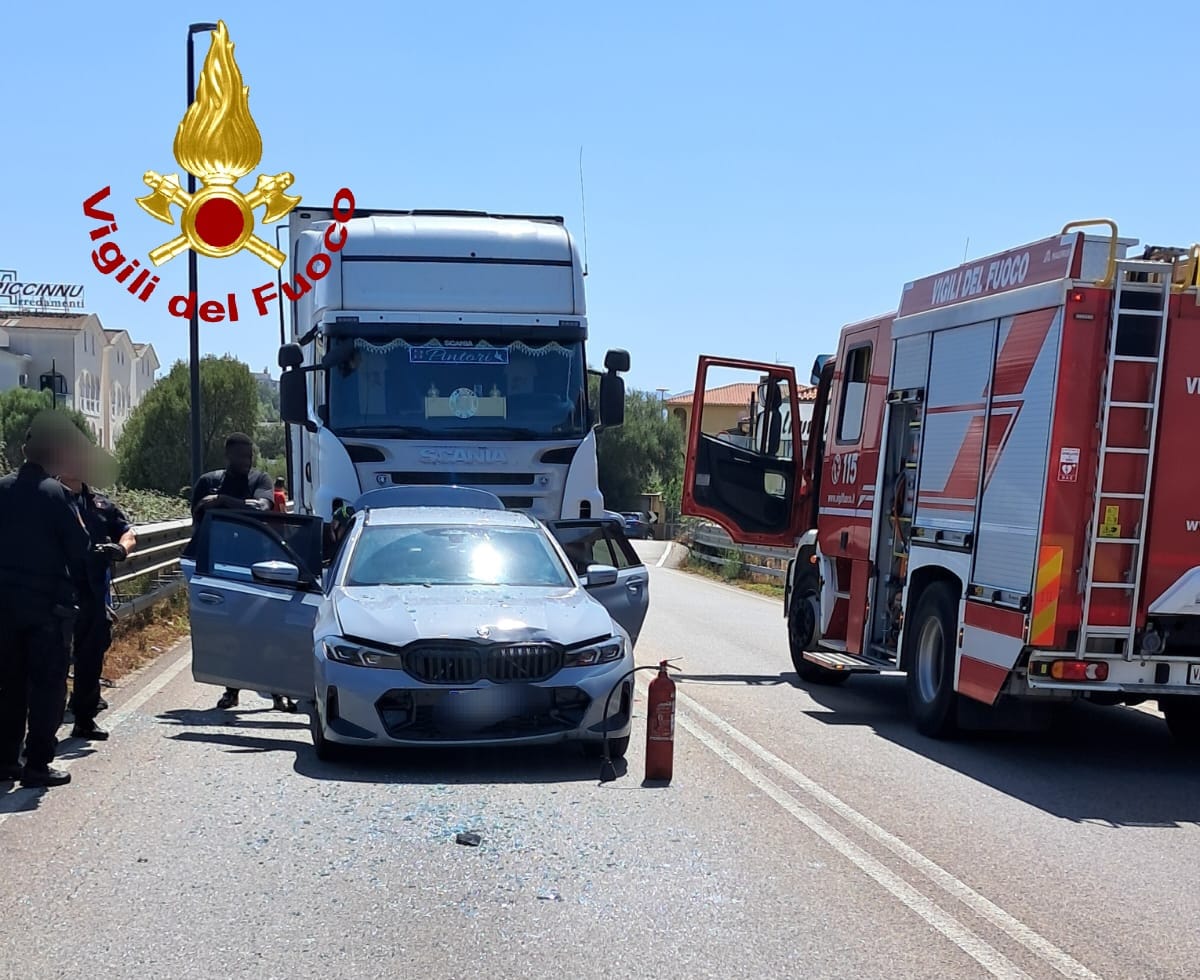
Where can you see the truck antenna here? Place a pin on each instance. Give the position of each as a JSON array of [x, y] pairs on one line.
[[965, 247], [583, 204]]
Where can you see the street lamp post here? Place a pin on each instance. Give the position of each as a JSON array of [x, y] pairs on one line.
[[194, 323]]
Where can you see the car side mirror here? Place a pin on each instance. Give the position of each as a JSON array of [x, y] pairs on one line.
[[598, 575], [293, 399], [276, 572]]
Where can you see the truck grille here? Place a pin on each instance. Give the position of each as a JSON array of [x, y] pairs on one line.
[[423, 478], [508, 664]]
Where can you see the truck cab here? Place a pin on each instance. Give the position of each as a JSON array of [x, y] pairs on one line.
[[437, 348]]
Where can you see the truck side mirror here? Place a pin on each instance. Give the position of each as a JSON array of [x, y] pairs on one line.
[[616, 360], [612, 399], [291, 356], [771, 435], [293, 399], [818, 367]]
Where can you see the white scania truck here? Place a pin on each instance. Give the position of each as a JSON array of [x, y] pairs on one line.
[[437, 348]]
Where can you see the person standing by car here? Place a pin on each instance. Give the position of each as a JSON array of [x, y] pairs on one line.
[[112, 539], [241, 487], [41, 564]]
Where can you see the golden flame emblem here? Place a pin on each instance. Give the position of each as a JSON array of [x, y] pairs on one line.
[[218, 143]]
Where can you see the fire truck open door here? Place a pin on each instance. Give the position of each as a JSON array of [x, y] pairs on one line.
[[745, 472]]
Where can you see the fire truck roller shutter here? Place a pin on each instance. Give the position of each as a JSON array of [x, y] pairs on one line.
[[1018, 447]]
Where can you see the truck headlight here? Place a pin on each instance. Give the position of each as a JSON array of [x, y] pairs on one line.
[[592, 654], [343, 651]]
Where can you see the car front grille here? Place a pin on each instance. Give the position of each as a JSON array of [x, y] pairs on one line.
[[444, 666], [532, 662], [500, 664]]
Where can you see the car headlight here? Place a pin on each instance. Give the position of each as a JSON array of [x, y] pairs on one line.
[[343, 651], [592, 654]]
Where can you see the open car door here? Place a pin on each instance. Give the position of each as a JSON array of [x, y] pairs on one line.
[[253, 597], [603, 542], [745, 456]]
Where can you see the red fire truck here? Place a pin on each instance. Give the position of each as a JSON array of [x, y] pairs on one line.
[[1000, 496]]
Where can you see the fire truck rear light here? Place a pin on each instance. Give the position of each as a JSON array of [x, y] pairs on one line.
[[1079, 670], [1077, 296]]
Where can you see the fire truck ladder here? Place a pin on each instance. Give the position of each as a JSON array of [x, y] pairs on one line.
[[1142, 292]]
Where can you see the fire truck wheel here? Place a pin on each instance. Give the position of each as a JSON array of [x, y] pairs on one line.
[[1183, 720], [801, 629], [930, 662]]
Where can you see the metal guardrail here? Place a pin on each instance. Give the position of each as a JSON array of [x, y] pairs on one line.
[[159, 548], [707, 540]]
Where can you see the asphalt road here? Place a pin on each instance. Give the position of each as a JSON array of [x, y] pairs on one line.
[[806, 834]]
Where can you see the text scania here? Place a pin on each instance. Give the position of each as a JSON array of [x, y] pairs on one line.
[[996, 275], [110, 260], [447, 454]]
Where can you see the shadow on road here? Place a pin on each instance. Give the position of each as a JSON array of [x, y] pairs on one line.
[[751, 680], [433, 766], [15, 798], [1114, 766]]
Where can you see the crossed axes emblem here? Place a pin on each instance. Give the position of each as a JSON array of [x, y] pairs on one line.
[[218, 219]]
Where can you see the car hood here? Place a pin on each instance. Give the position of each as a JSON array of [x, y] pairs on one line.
[[397, 615]]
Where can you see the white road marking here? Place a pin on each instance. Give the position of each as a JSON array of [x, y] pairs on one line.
[[117, 716], [662, 559], [1027, 937], [151, 689], [991, 959]]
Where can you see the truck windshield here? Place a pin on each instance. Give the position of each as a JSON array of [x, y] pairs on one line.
[[458, 388]]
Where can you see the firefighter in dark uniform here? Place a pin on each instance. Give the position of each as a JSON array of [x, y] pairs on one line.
[[41, 562], [111, 540]]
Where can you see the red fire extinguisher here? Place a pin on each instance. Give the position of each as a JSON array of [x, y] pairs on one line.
[[660, 726]]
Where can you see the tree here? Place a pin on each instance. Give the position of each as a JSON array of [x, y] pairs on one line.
[[154, 449], [643, 454], [268, 396], [18, 406]]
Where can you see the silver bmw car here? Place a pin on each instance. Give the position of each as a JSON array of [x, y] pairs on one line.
[[432, 624]]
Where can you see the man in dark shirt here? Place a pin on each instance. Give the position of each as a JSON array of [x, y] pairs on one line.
[[112, 539], [41, 564], [238, 486]]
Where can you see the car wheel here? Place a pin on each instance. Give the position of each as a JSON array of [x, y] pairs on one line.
[[929, 662], [1183, 720], [617, 747], [802, 627], [326, 750]]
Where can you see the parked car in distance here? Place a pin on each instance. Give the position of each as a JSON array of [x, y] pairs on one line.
[[433, 624], [637, 524]]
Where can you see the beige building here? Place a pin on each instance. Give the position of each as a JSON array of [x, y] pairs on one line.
[[99, 372], [727, 410]]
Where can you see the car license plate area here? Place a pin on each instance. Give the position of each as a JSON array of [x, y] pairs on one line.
[[495, 712], [1193, 674]]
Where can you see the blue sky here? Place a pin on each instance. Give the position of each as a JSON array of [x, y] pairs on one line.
[[757, 174]]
